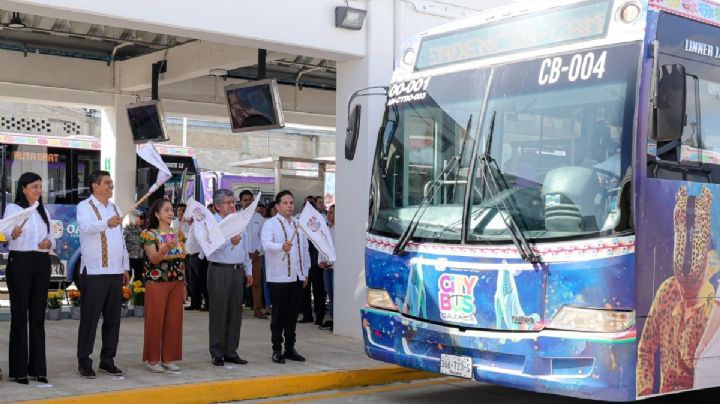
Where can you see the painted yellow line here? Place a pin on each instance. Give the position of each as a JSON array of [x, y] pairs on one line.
[[251, 388], [357, 392]]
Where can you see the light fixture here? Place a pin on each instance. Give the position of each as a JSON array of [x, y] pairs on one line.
[[349, 18], [15, 21], [629, 12]]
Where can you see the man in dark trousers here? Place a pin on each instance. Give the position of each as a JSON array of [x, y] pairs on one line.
[[104, 269], [287, 264]]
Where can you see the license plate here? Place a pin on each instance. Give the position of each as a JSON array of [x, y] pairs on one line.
[[452, 365]]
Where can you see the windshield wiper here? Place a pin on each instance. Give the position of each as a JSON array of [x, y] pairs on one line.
[[487, 172], [462, 154], [429, 194]]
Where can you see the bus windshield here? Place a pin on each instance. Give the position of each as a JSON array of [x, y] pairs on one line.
[[426, 128], [561, 143]]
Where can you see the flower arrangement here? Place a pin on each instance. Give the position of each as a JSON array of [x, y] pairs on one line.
[[74, 296], [125, 296], [55, 299], [138, 293]]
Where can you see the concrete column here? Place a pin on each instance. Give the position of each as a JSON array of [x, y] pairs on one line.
[[353, 177], [118, 151]]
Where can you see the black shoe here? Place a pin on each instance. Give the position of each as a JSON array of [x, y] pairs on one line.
[[22, 380], [86, 372], [293, 355], [277, 357], [110, 369], [305, 320], [318, 322], [328, 325], [236, 359], [218, 361], [41, 379], [204, 308], [190, 308]]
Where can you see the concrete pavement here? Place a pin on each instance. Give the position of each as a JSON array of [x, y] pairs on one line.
[[334, 362]]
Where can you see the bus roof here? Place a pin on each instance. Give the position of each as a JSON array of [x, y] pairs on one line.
[[82, 142]]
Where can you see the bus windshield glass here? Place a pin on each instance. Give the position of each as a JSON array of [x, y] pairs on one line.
[[561, 143], [425, 131]]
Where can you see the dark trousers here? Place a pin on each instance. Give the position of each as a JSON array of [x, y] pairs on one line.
[[286, 299], [27, 277], [101, 294], [226, 284], [316, 303], [137, 269], [198, 281]]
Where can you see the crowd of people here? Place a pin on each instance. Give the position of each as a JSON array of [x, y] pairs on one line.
[[271, 267]]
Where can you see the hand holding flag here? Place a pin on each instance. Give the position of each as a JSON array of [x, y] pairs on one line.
[[205, 232], [17, 219], [235, 224]]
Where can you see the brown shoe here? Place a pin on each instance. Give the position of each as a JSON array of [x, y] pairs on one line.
[[261, 315]]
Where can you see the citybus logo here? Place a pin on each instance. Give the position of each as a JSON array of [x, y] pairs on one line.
[[456, 297]]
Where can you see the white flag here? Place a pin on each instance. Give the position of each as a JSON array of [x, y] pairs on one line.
[[204, 228], [17, 219], [235, 224], [317, 231], [149, 153]]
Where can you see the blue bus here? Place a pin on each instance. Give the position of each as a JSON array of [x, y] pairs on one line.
[[542, 202], [65, 164]]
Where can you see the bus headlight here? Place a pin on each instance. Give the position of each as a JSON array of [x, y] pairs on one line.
[[593, 320], [381, 299], [629, 12]]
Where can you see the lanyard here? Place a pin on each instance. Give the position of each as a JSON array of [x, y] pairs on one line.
[[282, 226]]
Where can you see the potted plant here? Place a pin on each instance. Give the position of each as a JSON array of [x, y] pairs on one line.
[[54, 303], [125, 301], [74, 296], [138, 299]]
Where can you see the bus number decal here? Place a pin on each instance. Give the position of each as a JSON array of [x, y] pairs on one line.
[[581, 66], [413, 90]]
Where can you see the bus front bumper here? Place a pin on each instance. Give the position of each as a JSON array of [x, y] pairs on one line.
[[598, 366]]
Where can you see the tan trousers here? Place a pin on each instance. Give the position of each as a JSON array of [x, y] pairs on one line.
[[257, 285], [163, 321]]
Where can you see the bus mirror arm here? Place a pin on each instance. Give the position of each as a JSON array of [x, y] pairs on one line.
[[353, 129]]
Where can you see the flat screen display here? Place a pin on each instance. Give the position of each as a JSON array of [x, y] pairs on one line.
[[580, 22], [146, 122], [254, 106]]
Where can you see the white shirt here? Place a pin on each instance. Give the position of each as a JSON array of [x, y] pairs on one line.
[[254, 232], [233, 254], [273, 238], [90, 228], [185, 227], [33, 232], [323, 257]]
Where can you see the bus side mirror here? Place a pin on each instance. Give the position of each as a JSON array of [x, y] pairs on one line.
[[352, 132], [670, 103]]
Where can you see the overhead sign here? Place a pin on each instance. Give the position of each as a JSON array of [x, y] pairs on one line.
[[585, 21]]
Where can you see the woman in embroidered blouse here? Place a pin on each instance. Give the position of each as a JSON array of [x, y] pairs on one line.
[[164, 289], [27, 276]]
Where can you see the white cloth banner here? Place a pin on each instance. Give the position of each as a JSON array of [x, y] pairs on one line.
[[17, 219], [149, 153], [235, 224], [205, 230], [317, 231]]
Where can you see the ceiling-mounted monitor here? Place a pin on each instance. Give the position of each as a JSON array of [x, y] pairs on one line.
[[147, 122], [254, 106]]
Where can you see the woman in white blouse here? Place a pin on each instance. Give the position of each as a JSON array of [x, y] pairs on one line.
[[27, 276]]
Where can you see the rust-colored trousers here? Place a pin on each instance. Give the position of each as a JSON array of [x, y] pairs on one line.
[[163, 321]]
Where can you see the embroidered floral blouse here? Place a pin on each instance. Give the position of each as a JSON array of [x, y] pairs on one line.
[[172, 266]]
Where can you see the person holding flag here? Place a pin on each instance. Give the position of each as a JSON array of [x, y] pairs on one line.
[[287, 263], [229, 270], [104, 269], [27, 226]]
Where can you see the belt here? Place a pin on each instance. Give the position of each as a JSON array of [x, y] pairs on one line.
[[230, 266]]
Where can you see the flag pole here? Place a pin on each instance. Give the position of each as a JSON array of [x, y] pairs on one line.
[[138, 203]]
